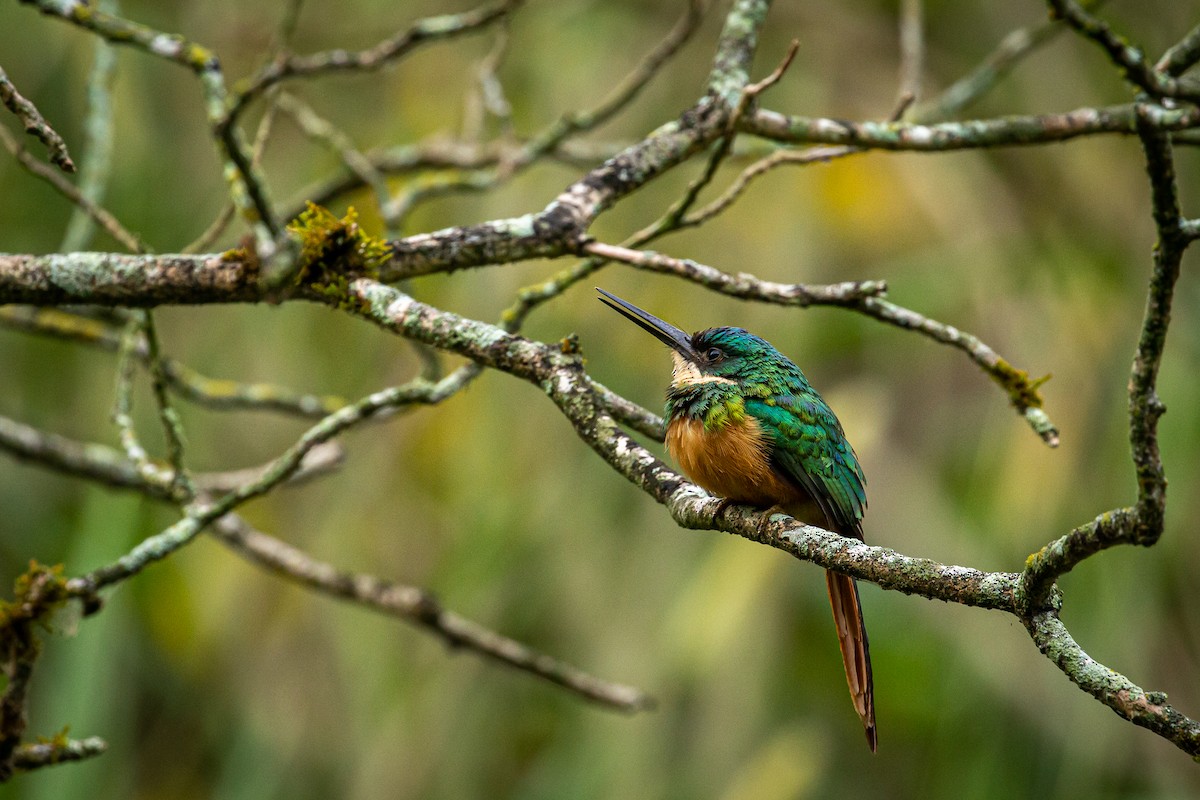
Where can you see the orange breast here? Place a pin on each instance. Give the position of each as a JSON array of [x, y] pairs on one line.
[[732, 461]]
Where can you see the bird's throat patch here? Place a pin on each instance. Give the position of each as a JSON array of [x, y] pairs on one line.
[[686, 373]]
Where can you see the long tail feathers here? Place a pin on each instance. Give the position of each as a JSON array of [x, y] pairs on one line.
[[856, 652]]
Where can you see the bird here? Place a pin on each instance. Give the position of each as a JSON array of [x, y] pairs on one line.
[[745, 424]]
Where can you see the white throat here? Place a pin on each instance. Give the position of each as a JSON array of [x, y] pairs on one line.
[[686, 373]]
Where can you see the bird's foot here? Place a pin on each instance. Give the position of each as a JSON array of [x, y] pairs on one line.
[[766, 520], [723, 505]]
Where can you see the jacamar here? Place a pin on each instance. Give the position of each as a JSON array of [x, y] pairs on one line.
[[745, 424]]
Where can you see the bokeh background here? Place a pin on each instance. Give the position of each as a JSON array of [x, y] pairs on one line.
[[212, 679]]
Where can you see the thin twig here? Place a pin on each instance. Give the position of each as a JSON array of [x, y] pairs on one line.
[[217, 393], [35, 124], [1182, 55], [111, 467], [322, 130], [172, 425], [430, 29], [912, 47], [1015, 46], [867, 298], [672, 219], [742, 285], [35, 755], [487, 96], [419, 607], [1129, 58], [68, 190]]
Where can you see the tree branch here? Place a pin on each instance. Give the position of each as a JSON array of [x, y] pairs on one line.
[[420, 608], [1009, 131]]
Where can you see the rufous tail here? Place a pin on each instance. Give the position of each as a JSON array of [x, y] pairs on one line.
[[856, 652]]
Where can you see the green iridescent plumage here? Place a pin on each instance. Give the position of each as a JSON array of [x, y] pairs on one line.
[[808, 445]]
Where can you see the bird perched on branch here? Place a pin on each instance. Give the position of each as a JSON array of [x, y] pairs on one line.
[[745, 424]]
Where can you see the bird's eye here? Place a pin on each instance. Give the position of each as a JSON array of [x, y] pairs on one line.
[[713, 354]]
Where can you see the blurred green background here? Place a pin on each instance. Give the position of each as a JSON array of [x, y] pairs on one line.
[[210, 678]]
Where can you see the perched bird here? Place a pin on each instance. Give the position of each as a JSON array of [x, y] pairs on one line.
[[745, 424]]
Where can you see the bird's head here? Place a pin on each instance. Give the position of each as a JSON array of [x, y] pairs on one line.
[[714, 355]]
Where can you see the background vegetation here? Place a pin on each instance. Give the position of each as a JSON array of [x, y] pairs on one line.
[[209, 678]]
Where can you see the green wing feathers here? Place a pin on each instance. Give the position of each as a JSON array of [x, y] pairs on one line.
[[810, 449]]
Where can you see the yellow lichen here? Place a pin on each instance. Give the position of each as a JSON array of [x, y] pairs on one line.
[[1022, 390], [333, 251], [37, 594]]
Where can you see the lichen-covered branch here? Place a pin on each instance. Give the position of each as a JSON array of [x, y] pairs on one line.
[[1021, 389], [866, 297], [59, 750], [1065, 553], [109, 466], [116, 279], [35, 124], [1009, 131], [1182, 55], [1149, 710], [37, 595], [1128, 57], [1145, 407], [95, 462], [741, 285]]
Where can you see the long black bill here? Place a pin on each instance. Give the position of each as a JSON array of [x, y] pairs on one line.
[[665, 332]]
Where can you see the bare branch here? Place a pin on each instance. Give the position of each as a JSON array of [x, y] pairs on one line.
[[36, 755], [742, 285], [418, 607]]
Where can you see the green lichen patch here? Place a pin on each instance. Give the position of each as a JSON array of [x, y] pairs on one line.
[[335, 251], [37, 594]]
